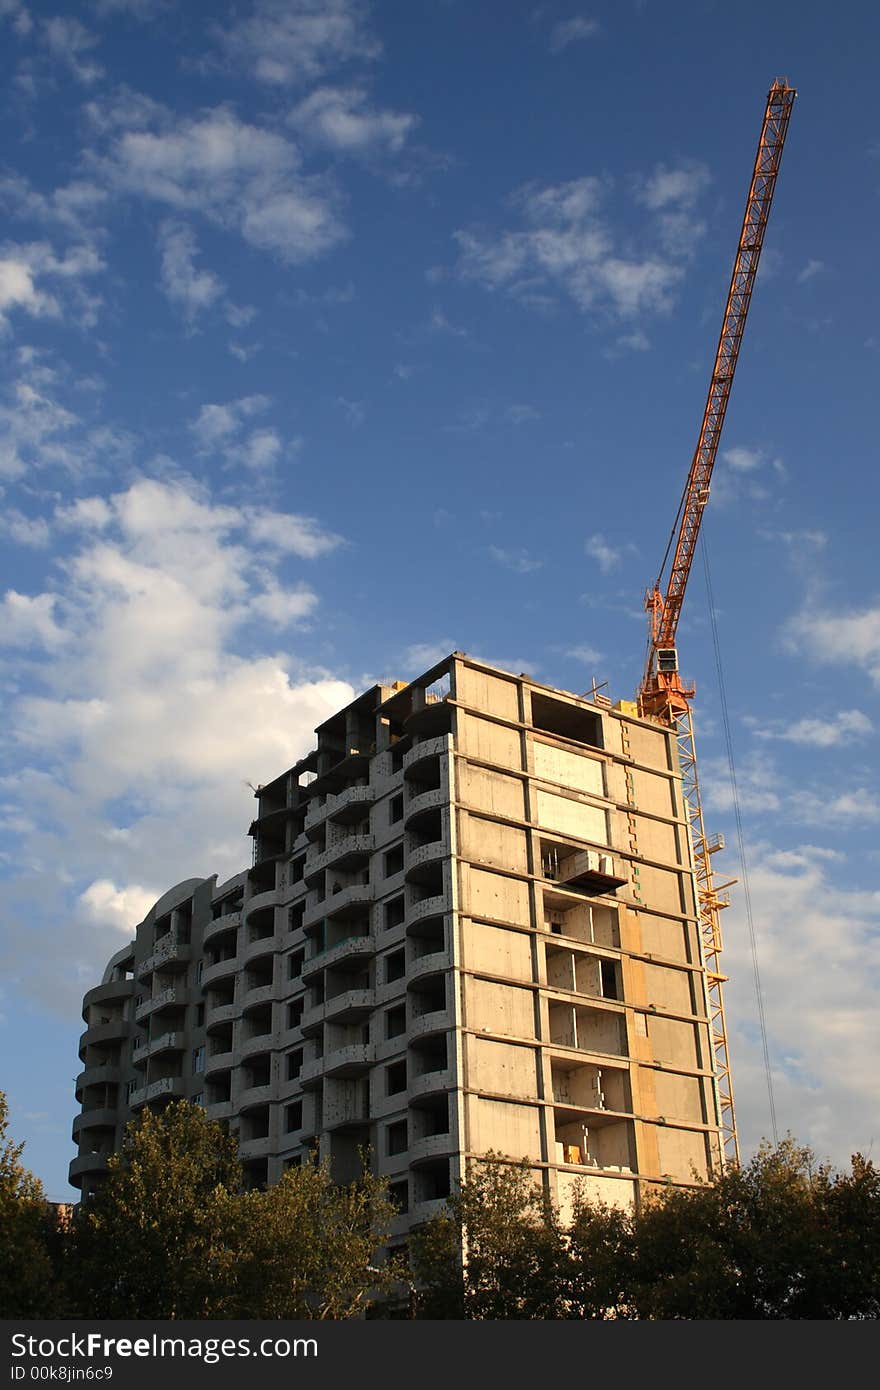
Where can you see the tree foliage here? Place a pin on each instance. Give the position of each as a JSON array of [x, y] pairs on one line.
[[26, 1233], [308, 1247], [513, 1261], [780, 1237], [171, 1234], [153, 1242]]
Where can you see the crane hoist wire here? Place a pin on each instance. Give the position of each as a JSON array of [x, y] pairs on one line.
[[740, 837]]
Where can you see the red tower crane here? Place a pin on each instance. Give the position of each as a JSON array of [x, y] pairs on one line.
[[662, 692], [663, 695]]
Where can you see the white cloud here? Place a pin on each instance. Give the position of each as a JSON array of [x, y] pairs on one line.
[[857, 807], [121, 908], [605, 555], [675, 188], [743, 460], [190, 289], [520, 414], [237, 174], [841, 728], [352, 410], [37, 431], [148, 705], [290, 534], [27, 621], [341, 119], [221, 429], [291, 41], [72, 206], [69, 42], [439, 323], [812, 268], [18, 291], [819, 972], [830, 638], [588, 655], [25, 530], [22, 266], [520, 561], [421, 656], [18, 16], [573, 30], [567, 244], [796, 540], [217, 423]]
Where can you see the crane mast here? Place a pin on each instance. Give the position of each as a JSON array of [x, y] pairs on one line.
[[662, 694]]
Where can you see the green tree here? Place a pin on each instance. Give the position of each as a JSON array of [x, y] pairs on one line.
[[26, 1230], [154, 1241], [514, 1263], [600, 1259], [780, 1237], [308, 1248]]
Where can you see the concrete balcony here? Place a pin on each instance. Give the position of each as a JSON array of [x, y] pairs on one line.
[[426, 801], [315, 908], [220, 970], [420, 1212], [254, 1096], [348, 852], [220, 1110], [99, 1119], [168, 1042], [254, 1148], [440, 1021], [261, 1042], [229, 922], [430, 1083], [170, 998], [348, 901], [587, 870], [428, 748], [168, 1088], [428, 907], [89, 1164], [267, 898], [219, 1061], [346, 1117], [260, 994], [352, 948], [115, 1031], [425, 855], [262, 946], [429, 1147], [351, 804], [353, 1060], [312, 1073], [113, 993], [352, 1004], [313, 1019], [221, 1013], [431, 964], [107, 1075], [167, 953]]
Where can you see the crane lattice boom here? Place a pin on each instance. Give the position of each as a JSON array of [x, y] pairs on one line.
[[662, 692]]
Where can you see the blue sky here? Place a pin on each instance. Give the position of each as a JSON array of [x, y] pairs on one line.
[[336, 336]]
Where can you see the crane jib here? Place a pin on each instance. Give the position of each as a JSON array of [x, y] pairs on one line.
[[661, 693]]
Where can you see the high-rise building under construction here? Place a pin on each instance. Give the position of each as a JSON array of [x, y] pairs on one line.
[[471, 924]]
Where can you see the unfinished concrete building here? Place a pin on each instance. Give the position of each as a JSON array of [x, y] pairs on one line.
[[470, 925]]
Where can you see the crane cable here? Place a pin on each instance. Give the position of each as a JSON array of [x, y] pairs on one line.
[[744, 869]]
